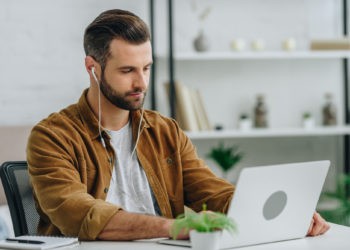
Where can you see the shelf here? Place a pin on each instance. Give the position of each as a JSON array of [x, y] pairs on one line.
[[239, 55], [269, 132]]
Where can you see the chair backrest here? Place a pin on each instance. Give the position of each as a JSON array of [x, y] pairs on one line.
[[19, 194]]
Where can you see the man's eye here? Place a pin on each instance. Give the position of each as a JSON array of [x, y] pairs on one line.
[[126, 70]]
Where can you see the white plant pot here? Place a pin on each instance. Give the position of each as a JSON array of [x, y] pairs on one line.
[[245, 124], [205, 241], [309, 123]]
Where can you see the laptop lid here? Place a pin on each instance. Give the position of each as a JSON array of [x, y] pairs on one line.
[[275, 203], [272, 203]]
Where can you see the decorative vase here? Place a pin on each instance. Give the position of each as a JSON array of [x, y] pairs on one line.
[[260, 112], [201, 42], [329, 111], [205, 241]]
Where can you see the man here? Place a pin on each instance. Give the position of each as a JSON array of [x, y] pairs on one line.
[[106, 169]]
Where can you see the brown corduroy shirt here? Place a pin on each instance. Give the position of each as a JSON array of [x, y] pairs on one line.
[[70, 171]]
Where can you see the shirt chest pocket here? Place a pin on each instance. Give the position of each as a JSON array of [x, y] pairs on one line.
[[172, 174]]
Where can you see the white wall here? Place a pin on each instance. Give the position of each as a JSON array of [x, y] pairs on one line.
[[41, 46]]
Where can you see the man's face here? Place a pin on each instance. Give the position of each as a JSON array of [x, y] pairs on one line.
[[125, 79]]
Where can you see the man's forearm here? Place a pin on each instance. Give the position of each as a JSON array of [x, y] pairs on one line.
[[131, 226]]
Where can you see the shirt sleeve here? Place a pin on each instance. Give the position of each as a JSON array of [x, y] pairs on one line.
[[201, 185], [59, 189]]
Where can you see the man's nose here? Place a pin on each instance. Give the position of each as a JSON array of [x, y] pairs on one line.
[[141, 80]]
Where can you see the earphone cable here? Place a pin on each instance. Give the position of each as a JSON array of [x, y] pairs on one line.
[[138, 133], [99, 108], [104, 144]]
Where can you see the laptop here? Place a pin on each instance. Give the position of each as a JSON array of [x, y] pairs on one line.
[[272, 203]]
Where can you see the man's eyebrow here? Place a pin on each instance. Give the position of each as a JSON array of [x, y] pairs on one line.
[[126, 67], [132, 67], [149, 64]]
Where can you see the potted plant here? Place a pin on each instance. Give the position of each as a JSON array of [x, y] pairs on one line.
[[245, 123], [308, 120], [204, 228], [225, 157], [341, 213]]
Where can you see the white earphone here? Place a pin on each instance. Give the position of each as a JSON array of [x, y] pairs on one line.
[[94, 75]]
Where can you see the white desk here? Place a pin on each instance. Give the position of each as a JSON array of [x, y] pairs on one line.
[[337, 238]]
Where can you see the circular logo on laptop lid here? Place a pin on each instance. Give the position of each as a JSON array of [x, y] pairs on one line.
[[274, 205]]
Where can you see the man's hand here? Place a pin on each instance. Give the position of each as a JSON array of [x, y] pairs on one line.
[[318, 225], [131, 226]]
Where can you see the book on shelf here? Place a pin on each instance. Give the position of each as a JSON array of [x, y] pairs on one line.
[[330, 44], [200, 111], [190, 110], [184, 108], [38, 242]]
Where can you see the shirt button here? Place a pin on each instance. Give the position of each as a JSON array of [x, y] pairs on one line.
[[169, 161], [105, 190]]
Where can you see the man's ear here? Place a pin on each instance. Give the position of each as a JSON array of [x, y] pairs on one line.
[[90, 63]]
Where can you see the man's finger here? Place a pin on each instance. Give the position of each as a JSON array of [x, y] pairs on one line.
[[319, 225]]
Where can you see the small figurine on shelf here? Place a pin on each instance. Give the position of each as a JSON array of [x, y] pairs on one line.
[[258, 44], [260, 111], [329, 111], [237, 44], [218, 127], [289, 44]]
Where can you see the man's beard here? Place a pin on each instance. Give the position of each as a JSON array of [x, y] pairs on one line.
[[120, 100]]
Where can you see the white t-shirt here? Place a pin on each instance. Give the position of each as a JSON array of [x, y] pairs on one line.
[[129, 187]]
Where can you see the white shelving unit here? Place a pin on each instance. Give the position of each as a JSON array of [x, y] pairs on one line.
[[264, 55], [302, 76], [270, 132]]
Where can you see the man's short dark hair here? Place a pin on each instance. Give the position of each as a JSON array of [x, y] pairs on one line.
[[109, 25]]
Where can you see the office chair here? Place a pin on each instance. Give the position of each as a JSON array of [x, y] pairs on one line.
[[18, 191]]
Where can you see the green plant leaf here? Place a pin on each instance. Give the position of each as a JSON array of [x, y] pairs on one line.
[[202, 222], [341, 213], [225, 157]]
